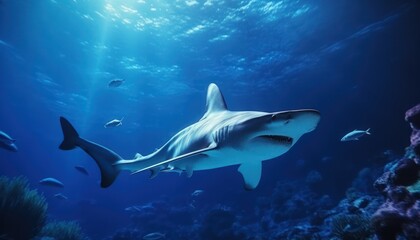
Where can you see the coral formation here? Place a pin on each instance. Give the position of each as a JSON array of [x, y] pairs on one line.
[[403, 172], [400, 214], [351, 227], [413, 117], [127, 234], [218, 224], [63, 230], [22, 211], [151, 219]]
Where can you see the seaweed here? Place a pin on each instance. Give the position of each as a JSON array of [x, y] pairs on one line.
[[351, 227], [63, 230], [22, 211]]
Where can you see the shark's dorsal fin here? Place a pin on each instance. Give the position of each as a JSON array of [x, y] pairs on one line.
[[137, 156], [251, 172], [215, 101]]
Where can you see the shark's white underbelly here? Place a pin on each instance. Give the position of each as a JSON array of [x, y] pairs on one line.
[[223, 158], [211, 160]]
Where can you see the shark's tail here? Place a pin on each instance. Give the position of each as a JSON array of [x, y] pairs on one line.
[[104, 157], [70, 135]]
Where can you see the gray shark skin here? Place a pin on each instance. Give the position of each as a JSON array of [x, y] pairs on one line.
[[220, 138]]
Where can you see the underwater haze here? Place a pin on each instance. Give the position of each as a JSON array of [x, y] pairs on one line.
[[355, 61]]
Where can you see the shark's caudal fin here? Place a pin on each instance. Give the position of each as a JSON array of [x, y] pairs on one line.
[[367, 131], [104, 157], [70, 135]]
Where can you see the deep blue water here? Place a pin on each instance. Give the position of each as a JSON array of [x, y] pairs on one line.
[[357, 62]]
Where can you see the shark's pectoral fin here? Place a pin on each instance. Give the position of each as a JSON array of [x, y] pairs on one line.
[[180, 157], [251, 172], [153, 172]]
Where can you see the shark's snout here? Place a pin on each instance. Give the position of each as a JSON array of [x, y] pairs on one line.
[[292, 124], [302, 116], [308, 119]]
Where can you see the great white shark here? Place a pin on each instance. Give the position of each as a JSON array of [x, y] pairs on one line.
[[220, 138]]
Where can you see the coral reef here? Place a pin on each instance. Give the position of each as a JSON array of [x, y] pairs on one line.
[[400, 214], [293, 211], [63, 230], [160, 216], [403, 172], [22, 211], [127, 234], [413, 117], [218, 224], [351, 227]]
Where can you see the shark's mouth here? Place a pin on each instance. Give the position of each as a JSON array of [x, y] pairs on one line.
[[285, 140]]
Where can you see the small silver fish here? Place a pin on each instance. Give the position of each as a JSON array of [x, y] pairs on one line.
[[197, 193], [154, 236], [115, 82], [133, 209], [355, 135], [140, 208], [52, 182], [113, 123], [61, 196], [81, 169], [7, 142]]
